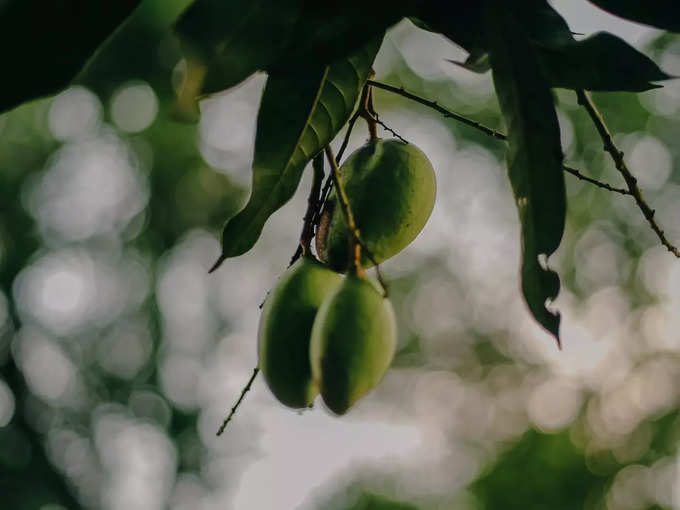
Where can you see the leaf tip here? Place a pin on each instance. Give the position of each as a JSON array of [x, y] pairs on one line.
[[217, 264]]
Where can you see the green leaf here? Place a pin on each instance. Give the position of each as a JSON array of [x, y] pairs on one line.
[[534, 157], [131, 52], [299, 115], [327, 31], [227, 41], [477, 62], [461, 22], [46, 43], [659, 13], [543, 24], [601, 62]]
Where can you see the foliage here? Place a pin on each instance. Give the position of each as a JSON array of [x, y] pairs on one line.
[[533, 44], [318, 64]]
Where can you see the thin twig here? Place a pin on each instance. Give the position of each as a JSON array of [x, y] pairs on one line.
[[312, 205], [350, 127], [366, 101], [245, 390], [486, 130], [617, 156], [440, 109], [597, 183], [364, 110], [389, 129], [349, 217]]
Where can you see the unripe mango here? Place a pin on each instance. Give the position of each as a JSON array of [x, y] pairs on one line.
[[391, 190], [353, 342], [285, 330]]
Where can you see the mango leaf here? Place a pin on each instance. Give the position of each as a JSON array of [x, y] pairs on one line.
[[461, 22], [534, 156], [227, 41], [543, 24], [601, 62], [299, 115], [658, 13], [46, 43], [131, 52], [477, 62], [327, 31]]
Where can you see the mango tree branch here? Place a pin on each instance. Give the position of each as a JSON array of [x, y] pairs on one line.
[[312, 206], [617, 156], [238, 402], [486, 130]]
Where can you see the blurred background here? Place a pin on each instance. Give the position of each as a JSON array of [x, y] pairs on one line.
[[120, 355]]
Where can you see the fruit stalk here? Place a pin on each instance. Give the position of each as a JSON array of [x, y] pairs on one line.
[[355, 241]]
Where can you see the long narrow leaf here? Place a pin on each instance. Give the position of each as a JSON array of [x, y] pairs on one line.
[[299, 116], [601, 62], [659, 13], [227, 41], [45, 44], [534, 156]]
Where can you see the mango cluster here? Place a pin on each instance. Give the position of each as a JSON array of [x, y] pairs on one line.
[[321, 332]]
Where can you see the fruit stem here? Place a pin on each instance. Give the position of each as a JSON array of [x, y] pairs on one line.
[[355, 242], [355, 238]]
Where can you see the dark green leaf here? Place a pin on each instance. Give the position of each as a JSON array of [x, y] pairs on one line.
[[299, 115], [534, 156], [227, 41], [477, 62], [46, 43], [460, 22], [602, 62], [463, 24], [659, 13], [328, 31], [131, 53]]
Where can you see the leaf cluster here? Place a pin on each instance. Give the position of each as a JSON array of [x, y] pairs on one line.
[[319, 55]]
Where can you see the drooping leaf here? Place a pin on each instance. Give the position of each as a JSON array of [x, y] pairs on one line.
[[46, 43], [327, 31], [135, 43], [461, 22], [227, 41], [543, 24], [299, 115], [534, 156], [477, 62], [659, 13], [601, 62]]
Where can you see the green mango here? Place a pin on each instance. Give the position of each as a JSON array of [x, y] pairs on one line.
[[285, 330], [391, 190], [353, 342]]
